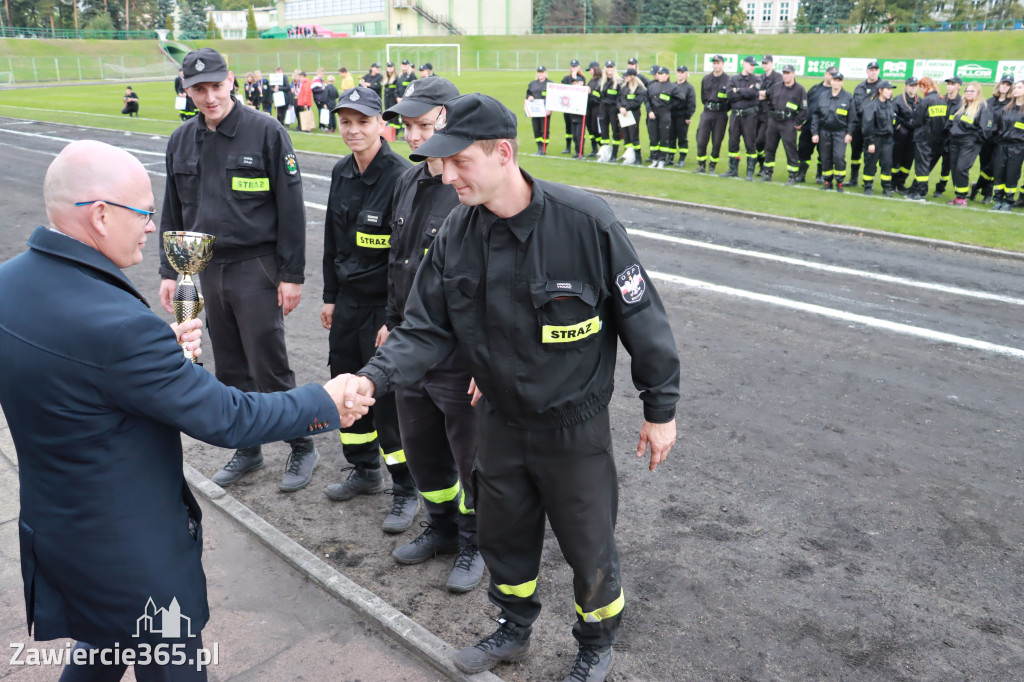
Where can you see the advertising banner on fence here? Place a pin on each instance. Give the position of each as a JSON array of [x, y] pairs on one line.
[[570, 99], [1015, 68], [731, 63], [980, 71], [855, 68], [895, 69], [817, 66], [936, 69], [780, 60]]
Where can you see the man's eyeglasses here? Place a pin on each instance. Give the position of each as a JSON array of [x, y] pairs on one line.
[[149, 214]]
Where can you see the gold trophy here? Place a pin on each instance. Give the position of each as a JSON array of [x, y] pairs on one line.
[[188, 253]]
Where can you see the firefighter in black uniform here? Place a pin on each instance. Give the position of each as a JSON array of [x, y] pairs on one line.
[[357, 240], [435, 415], [743, 89], [878, 126], [953, 99], [1010, 150], [970, 125], [683, 105], [611, 83], [787, 113], [537, 282], [903, 138], [634, 63], [374, 80], [862, 94], [929, 133], [715, 98], [594, 130], [405, 78], [231, 172], [632, 98], [179, 89], [538, 89], [832, 125], [573, 122], [805, 146], [659, 119], [986, 159], [770, 79]]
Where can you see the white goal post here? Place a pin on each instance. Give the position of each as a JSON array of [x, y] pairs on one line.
[[408, 48]]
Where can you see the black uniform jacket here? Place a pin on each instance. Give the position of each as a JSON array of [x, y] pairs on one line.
[[713, 92], [769, 82], [660, 96], [404, 81], [578, 79], [905, 114], [375, 83], [1011, 126], [834, 114], [357, 230], [792, 101], [240, 183], [610, 91], [979, 127], [537, 89], [684, 101], [420, 205], [538, 302], [879, 121], [742, 91], [632, 101], [816, 96], [930, 117], [863, 93], [594, 101]]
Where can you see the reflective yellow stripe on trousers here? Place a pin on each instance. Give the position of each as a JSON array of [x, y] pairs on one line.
[[393, 458], [523, 590], [358, 438], [605, 612], [441, 496]]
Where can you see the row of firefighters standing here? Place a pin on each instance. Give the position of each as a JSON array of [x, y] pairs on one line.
[[889, 136]]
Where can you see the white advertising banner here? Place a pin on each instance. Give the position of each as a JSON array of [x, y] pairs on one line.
[[1015, 68], [936, 69], [731, 62], [854, 69], [569, 99], [780, 60]]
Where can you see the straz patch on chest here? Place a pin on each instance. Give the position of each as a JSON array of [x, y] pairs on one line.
[[574, 332], [631, 284], [373, 241], [250, 184]]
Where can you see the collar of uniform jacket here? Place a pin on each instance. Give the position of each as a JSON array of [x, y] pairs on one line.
[[228, 127], [350, 170], [522, 223], [58, 244]]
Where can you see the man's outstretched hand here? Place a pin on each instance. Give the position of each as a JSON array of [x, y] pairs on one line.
[[353, 396], [660, 437]]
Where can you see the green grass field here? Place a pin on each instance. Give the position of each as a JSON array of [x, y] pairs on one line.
[[98, 105]]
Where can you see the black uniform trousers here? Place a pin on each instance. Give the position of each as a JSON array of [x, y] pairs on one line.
[[679, 135], [763, 122], [574, 141], [744, 126], [856, 146], [963, 152], [569, 134], [987, 160], [352, 340], [631, 136], [98, 672], [246, 325], [805, 147], [711, 127], [926, 154], [568, 475], [541, 129], [832, 152], [610, 124], [902, 155], [945, 167], [659, 131], [1007, 167], [881, 160], [785, 131], [594, 123], [439, 432]]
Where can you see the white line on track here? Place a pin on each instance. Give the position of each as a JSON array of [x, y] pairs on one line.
[[833, 269], [144, 152], [832, 313]]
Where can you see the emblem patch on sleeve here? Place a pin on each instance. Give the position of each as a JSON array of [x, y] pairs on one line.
[[291, 166], [631, 284]]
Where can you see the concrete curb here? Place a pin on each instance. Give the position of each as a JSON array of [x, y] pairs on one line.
[[410, 634]]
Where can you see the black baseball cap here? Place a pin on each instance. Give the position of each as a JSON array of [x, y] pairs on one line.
[[390, 64], [204, 65], [541, 68], [574, 62], [407, 62], [838, 76], [682, 68], [630, 72], [363, 100], [750, 60], [955, 79], [375, 65], [883, 84], [632, 60], [767, 58], [464, 120], [718, 58], [609, 63], [654, 69], [594, 65], [663, 70], [1006, 78], [872, 65], [910, 81], [421, 96], [427, 66], [788, 68], [832, 70]]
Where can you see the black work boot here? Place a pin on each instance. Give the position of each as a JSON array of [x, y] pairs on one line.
[[404, 505], [886, 188], [509, 643], [242, 462], [427, 545], [869, 188], [299, 470], [468, 568], [361, 481], [682, 161], [827, 185], [839, 185], [751, 163], [701, 167], [711, 167], [792, 178], [591, 664], [801, 174], [975, 188], [593, 149], [854, 174], [819, 178], [568, 146], [986, 191], [615, 152], [734, 166], [766, 175], [940, 188], [540, 148]]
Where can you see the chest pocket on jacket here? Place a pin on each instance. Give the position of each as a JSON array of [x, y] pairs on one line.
[[567, 316], [370, 232], [186, 179], [247, 177], [460, 291]]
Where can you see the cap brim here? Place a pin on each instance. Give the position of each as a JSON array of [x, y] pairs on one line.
[[210, 77], [439, 146], [409, 107], [355, 106]]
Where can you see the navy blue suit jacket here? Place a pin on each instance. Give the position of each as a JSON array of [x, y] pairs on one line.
[[96, 392]]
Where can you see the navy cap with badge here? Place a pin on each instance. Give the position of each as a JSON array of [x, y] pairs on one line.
[[663, 70], [767, 59], [421, 96], [609, 63], [464, 120], [838, 76], [882, 85], [630, 71], [788, 68], [872, 65], [594, 65], [574, 62], [910, 82], [955, 79], [750, 60], [406, 62], [204, 65], [541, 69], [718, 58], [1006, 78], [682, 68], [654, 69], [632, 60], [363, 100], [427, 66]]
